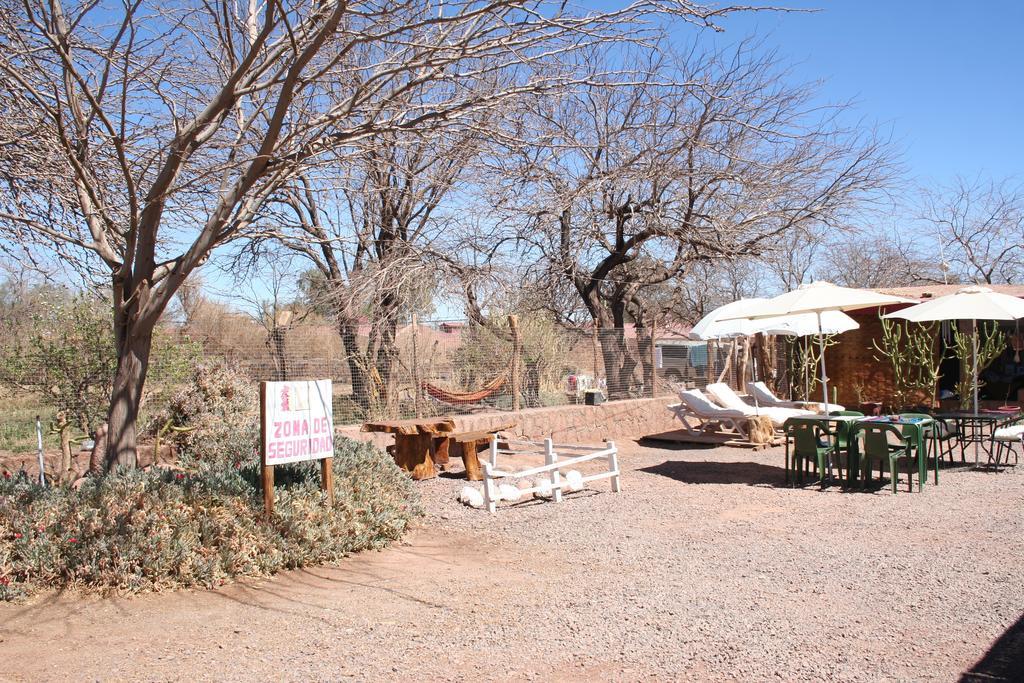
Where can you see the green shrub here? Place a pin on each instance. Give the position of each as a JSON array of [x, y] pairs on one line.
[[213, 418], [135, 530]]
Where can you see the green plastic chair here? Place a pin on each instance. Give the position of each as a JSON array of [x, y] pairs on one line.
[[807, 449], [924, 439], [844, 429], [843, 442], [877, 446]]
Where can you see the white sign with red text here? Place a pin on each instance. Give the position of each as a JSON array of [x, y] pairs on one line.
[[298, 422]]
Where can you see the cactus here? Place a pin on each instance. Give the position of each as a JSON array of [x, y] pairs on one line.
[[991, 344], [912, 350]]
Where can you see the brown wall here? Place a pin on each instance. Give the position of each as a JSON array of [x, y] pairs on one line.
[[852, 362]]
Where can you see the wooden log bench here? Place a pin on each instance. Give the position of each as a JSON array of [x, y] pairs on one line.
[[466, 445]]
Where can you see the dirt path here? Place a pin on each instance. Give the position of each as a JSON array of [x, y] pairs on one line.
[[704, 568]]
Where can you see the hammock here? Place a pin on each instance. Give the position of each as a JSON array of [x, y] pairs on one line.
[[469, 397]]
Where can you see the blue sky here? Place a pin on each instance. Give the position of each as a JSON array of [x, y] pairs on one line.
[[946, 78]]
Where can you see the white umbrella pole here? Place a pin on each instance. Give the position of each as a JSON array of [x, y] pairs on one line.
[[824, 377], [974, 370], [753, 361], [753, 374]]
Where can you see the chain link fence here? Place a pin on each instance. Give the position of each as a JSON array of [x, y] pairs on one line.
[[422, 368]]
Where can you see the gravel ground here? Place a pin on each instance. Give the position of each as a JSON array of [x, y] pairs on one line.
[[705, 567]]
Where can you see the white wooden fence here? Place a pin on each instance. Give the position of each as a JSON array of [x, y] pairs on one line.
[[553, 464]]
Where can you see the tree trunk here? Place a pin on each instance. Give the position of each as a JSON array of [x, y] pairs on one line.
[[516, 369], [645, 349], [348, 330], [126, 395], [387, 351], [64, 470], [99, 450], [618, 362]]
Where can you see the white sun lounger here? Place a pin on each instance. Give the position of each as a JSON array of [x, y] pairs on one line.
[[765, 397], [693, 405], [727, 398]]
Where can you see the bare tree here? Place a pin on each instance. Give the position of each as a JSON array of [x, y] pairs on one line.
[[980, 226], [795, 258], [627, 182], [874, 261], [706, 285], [136, 139], [370, 232], [271, 303]]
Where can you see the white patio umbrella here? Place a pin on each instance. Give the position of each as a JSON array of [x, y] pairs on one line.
[[819, 298], [721, 323], [972, 303], [728, 321]]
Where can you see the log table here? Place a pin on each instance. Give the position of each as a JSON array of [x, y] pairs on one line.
[[414, 442]]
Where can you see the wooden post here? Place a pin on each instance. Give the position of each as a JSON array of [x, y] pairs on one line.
[[415, 371], [709, 369], [550, 458], [654, 357], [517, 351], [743, 362], [268, 489], [267, 471], [613, 465], [327, 479], [728, 362], [494, 450]]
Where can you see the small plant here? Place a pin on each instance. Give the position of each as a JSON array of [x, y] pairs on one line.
[[212, 418], [804, 361], [991, 344], [136, 530], [859, 391], [912, 352], [67, 358]]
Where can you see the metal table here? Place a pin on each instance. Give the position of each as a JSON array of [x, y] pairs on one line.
[[977, 428]]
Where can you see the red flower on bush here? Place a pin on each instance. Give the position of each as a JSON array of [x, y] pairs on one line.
[[16, 535], [179, 476], [4, 581], [7, 475], [72, 540]]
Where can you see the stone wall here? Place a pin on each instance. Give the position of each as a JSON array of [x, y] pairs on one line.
[[573, 423]]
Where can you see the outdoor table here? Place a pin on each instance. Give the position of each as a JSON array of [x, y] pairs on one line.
[[921, 425], [824, 421], [414, 442], [976, 428]]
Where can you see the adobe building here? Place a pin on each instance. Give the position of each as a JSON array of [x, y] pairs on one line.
[[856, 373]]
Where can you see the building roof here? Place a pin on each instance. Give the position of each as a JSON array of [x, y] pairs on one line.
[[924, 292]]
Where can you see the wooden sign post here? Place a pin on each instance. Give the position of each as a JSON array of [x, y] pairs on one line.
[[296, 424]]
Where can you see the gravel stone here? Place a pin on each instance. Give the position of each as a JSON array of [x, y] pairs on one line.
[[705, 567]]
